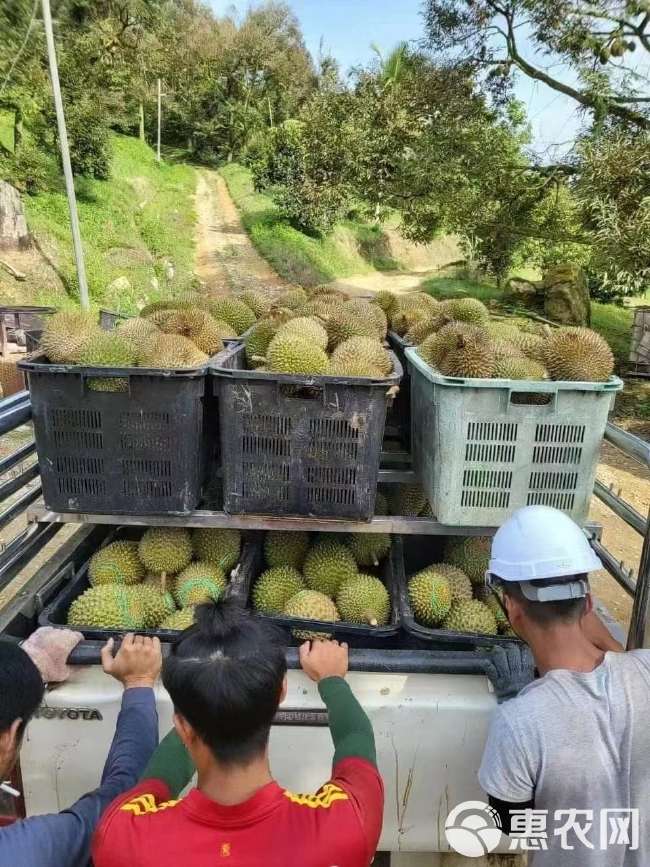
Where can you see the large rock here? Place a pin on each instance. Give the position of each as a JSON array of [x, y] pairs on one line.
[[13, 226], [120, 284], [566, 296], [525, 292]]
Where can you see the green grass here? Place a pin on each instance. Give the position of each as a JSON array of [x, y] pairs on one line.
[[450, 287], [130, 225], [352, 248], [7, 129]]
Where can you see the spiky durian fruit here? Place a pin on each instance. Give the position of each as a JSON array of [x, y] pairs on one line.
[[311, 605], [179, 621], [434, 348], [234, 312], [198, 582], [275, 587], [368, 549], [286, 548], [174, 352], [504, 351], [110, 606], [419, 301], [153, 605], [371, 312], [421, 330], [259, 303], [471, 554], [387, 301], [381, 504], [293, 299], [257, 341], [66, 336], [459, 583], [578, 355], [345, 323], [490, 597], [408, 500], [142, 335], [108, 349], [200, 327], [221, 548], [471, 616], [361, 353], [471, 356], [363, 599], [165, 550], [430, 597], [328, 563], [309, 329], [117, 563], [469, 310], [532, 346], [503, 330], [403, 320], [519, 368], [154, 581], [288, 353]]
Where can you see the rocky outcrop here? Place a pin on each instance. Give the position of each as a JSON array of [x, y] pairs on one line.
[[561, 296]]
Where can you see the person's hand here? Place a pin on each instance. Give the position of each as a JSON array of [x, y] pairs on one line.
[[49, 649], [321, 659], [510, 669], [137, 662]]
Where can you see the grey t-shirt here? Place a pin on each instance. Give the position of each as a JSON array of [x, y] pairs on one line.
[[574, 741]]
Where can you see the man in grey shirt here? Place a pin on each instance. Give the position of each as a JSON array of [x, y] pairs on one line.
[[567, 762]]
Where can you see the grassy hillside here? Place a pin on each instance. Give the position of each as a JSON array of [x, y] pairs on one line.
[[132, 225], [352, 248]]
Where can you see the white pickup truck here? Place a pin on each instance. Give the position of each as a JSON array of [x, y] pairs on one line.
[[430, 709]]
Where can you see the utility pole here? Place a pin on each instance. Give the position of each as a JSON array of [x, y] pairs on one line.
[[65, 157], [159, 115]]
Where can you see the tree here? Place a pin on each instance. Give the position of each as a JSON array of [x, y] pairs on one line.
[[584, 50]]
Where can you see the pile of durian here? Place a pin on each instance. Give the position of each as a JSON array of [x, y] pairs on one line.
[[170, 335], [156, 582], [320, 332], [457, 337], [453, 596], [323, 577]]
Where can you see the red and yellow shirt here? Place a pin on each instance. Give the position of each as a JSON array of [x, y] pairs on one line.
[[339, 826]]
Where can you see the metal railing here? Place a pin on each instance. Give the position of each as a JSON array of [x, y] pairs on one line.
[[16, 411]]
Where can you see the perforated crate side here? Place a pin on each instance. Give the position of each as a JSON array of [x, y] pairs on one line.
[[293, 445], [134, 452], [481, 456]]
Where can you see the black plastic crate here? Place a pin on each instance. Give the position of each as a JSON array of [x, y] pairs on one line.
[[56, 612], [412, 554], [299, 445], [138, 452], [33, 339], [401, 410], [356, 635], [108, 319]]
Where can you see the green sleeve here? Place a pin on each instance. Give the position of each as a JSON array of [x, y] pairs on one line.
[[351, 729], [171, 763]]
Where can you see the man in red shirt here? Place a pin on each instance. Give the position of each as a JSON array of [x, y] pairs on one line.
[[226, 676]]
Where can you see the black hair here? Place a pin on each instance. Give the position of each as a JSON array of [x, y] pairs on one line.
[[21, 686], [224, 675], [547, 613]]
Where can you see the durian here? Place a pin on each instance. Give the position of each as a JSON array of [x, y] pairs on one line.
[[307, 328], [219, 547], [430, 597], [293, 298], [257, 341], [387, 301], [179, 621], [381, 504], [469, 310], [288, 353], [165, 550], [117, 563], [407, 499], [111, 606], [152, 604], [260, 304], [327, 565], [234, 312], [368, 549], [108, 349], [490, 596], [67, 334], [286, 548], [373, 313], [199, 582], [471, 616], [471, 356], [275, 587], [519, 368], [311, 605], [471, 554], [142, 335], [459, 583], [345, 323], [361, 351], [578, 355], [363, 599], [174, 352]]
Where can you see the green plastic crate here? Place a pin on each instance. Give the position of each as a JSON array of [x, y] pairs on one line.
[[481, 454]]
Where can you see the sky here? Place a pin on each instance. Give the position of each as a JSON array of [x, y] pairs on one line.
[[347, 29]]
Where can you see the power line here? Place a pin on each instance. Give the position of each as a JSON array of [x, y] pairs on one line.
[[21, 49]]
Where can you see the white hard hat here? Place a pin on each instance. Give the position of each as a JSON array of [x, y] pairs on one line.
[[538, 543]]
